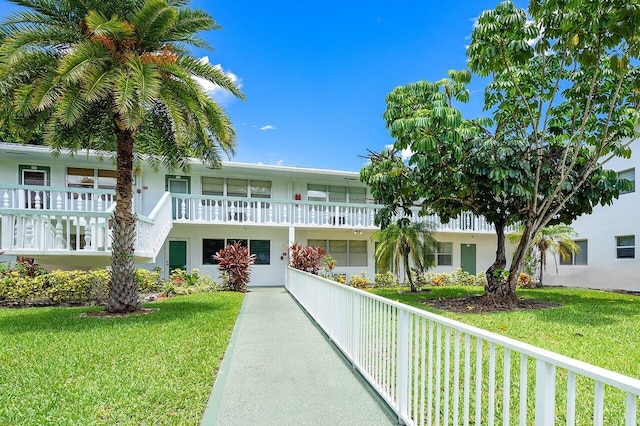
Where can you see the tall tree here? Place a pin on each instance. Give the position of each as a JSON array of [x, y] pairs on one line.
[[561, 104], [554, 240], [403, 241], [114, 76]]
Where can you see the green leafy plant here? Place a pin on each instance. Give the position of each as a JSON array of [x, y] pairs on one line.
[[359, 281], [235, 266], [387, 279], [307, 258]]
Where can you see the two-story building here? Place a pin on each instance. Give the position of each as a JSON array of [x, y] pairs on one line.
[[57, 210], [607, 239]]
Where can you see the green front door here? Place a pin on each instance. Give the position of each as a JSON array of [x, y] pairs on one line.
[[468, 258], [177, 255]]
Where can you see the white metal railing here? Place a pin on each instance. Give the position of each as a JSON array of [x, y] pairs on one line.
[[236, 210], [57, 199], [435, 371]]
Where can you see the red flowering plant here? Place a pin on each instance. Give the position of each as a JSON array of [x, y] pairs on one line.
[[234, 264], [307, 258]]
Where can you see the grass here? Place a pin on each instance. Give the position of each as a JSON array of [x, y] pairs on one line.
[[57, 367], [594, 326], [597, 327]]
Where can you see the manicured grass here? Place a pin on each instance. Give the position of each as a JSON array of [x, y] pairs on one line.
[[597, 327], [59, 368]]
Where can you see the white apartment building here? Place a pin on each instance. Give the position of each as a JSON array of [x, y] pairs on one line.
[[57, 211], [607, 239]]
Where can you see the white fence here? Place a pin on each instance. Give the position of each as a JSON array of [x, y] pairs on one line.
[[435, 371]]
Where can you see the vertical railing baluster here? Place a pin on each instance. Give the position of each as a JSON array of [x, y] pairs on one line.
[[506, 387], [403, 363], [545, 393], [447, 369], [423, 354], [467, 378], [430, 377], [524, 371], [598, 404], [478, 381], [492, 384], [631, 409], [571, 398], [456, 378]]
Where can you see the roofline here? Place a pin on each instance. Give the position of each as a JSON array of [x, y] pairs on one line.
[[6, 146]]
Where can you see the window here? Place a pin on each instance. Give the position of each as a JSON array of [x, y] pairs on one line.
[[336, 194], [626, 247], [629, 175], [444, 254], [261, 248], [345, 252], [580, 258], [212, 186], [260, 188], [236, 187], [209, 248], [89, 178], [357, 253]]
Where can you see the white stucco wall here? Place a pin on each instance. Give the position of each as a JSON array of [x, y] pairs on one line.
[[600, 229]]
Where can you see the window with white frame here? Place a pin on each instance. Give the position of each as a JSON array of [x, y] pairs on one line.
[[444, 254], [229, 187], [91, 178], [260, 248], [336, 193], [626, 247], [579, 258], [629, 175], [345, 252]]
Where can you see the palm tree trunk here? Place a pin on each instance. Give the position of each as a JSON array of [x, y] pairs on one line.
[[408, 272], [123, 292]]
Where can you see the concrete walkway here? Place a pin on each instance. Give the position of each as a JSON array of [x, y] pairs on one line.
[[279, 369]]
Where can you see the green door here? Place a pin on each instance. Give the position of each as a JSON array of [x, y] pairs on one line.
[[177, 255], [468, 258]]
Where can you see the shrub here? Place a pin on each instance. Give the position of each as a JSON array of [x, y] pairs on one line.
[[28, 267], [359, 281], [460, 277], [307, 258], [340, 278], [439, 280], [234, 264], [525, 281], [481, 278], [71, 286], [147, 281], [420, 279], [388, 279]]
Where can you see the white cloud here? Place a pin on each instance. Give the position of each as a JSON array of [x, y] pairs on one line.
[[405, 153], [215, 91], [280, 162], [267, 127]]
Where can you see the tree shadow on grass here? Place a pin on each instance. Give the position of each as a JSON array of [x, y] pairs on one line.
[[57, 319]]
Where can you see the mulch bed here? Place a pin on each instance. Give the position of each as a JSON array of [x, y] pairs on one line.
[[105, 314], [483, 304]]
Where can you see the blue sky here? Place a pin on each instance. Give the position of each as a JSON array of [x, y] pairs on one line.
[[315, 73]]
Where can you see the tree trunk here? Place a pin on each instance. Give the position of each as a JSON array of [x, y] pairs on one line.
[[496, 287], [123, 292], [519, 256], [408, 272], [543, 260]]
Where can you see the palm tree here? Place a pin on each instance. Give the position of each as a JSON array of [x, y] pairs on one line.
[[554, 239], [403, 240], [114, 75]]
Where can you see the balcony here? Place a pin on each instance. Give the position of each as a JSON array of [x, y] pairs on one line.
[[203, 209]]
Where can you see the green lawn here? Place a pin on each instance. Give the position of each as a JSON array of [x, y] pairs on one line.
[[597, 327], [59, 368]]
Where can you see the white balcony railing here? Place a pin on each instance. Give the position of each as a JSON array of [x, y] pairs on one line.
[[436, 371], [235, 210], [57, 199]]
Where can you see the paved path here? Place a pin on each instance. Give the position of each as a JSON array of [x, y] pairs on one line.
[[280, 369]]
